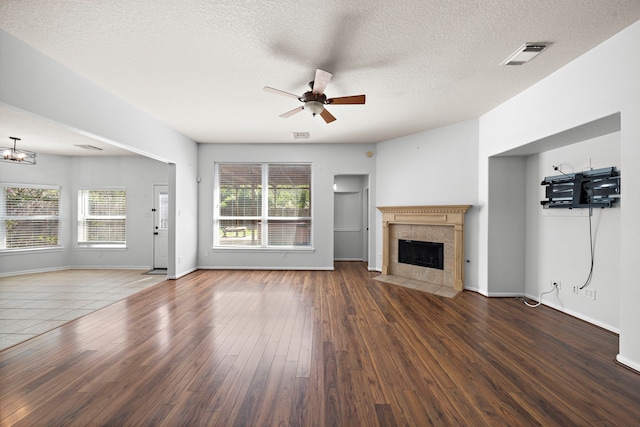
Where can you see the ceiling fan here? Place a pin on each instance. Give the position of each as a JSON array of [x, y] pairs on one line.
[[314, 100]]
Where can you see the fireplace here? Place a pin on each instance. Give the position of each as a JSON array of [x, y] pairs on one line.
[[439, 225], [424, 254]]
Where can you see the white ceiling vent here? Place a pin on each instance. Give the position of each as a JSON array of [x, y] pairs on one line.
[[88, 147], [301, 135], [524, 54]]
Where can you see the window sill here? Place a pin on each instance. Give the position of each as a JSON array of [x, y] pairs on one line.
[[263, 249], [101, 247], [26, 251]]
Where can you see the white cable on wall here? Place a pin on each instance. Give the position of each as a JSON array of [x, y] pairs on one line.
[[555, 286]]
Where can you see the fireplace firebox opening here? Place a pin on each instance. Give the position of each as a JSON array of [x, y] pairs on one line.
[[424, 254]]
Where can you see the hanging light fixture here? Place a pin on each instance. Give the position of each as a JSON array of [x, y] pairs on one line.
[[12, 154]]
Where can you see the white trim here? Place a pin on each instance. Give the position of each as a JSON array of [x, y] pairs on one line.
[[581, 317], [112, 267], [628, 363], [502, 294], [261, 268], [266, 249], [100, 247], [23, 185], [69, 267], [545, 303], [184, 273], [23, 251], [37, 270]]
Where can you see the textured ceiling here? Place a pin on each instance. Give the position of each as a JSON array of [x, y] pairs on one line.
[[199, 66]]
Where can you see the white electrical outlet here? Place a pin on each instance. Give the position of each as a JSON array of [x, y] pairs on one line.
[[556, 283], [589, 293]]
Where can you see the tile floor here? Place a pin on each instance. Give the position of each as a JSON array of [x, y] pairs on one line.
[[32, 304], [432, 288]]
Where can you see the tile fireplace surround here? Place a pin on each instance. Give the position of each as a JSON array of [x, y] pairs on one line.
[[443, 224]]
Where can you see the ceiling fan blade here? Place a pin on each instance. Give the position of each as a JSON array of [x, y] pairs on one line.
[[327, 116], [292, 112], [355, 99], [321, 81], [280, 92]]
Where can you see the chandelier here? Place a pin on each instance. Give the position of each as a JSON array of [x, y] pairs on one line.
[[12, 154]]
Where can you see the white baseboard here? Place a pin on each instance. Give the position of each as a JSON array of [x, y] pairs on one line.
[[628, 363], [576, 315], [505, 294], [70, 267], [245, 267], [36, 270], [183, 273], [111, 267], [548, 304]]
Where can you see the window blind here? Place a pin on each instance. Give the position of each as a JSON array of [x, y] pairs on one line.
[[248, 216], [102, 217], [29, 217], [289, 205]]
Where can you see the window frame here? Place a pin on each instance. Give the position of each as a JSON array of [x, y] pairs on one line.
[[264, 219], [83, 217], [4, 217]]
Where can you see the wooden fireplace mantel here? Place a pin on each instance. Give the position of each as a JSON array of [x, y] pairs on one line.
[[445, 215]]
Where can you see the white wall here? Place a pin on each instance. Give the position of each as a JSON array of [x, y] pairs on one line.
[[328, 160], [49, 170], [506, 243], [36, 84], [349, 183], [137, 174], [598, 84], [438, 167], [557, 240]]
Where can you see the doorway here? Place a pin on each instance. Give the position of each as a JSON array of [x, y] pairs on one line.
[[351, 218]]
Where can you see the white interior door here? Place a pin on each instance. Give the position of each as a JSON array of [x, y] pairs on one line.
[[160, 226]]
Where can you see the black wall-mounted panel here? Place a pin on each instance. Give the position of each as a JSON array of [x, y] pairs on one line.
[[599, 188]]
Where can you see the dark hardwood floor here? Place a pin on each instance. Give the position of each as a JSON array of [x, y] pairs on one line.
[[325, 348]]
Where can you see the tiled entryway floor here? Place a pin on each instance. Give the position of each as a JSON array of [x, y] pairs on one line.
[[418, 285], [32, 304]]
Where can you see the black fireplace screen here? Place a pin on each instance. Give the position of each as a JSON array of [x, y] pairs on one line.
[[425, 254]]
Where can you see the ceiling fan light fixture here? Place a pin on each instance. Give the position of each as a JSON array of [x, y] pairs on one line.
[[314, 107]]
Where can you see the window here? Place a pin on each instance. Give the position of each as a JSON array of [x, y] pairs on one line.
[[246, 215], [102, 218], [163, 211], [29, 217]]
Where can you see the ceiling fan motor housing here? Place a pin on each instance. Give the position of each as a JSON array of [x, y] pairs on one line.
[[310, 96]]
